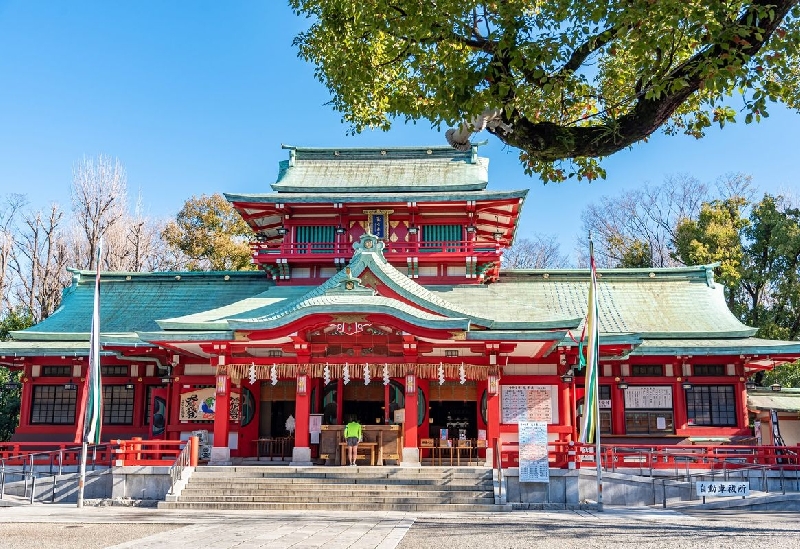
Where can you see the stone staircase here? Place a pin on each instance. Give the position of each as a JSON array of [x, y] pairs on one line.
[[338, 488]]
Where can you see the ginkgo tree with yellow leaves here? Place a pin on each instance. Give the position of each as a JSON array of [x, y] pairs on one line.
[[210, 234], [566, 82]]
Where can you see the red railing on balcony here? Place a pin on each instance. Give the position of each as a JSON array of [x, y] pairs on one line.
[[345, 249]]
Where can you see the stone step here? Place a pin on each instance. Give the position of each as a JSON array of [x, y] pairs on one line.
[[343, 472], [339, 499], [333, 484], [371, 506], [330, 488], [389, 469], [345, 491]]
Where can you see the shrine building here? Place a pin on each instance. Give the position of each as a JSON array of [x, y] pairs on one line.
[[379, 295]]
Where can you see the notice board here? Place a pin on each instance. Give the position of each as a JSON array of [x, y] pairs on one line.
[[534, 465], [528, 403]]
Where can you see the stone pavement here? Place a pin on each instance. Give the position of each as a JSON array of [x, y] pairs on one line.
[[46, 526]]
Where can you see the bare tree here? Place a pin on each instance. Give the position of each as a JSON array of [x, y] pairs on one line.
[[538, 252], [145, 250], [9, 209], [638, 227], [99, 194], [39, 262]]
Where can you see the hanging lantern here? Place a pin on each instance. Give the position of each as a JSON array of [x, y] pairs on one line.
[[302, 384]]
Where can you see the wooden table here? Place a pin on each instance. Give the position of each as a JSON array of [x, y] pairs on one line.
[[371, 446], [454, 451]]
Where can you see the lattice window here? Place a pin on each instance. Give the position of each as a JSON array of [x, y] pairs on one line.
[[708, 370], [53, 405], [438, 238], [56, 371], [117, 405], [647, 370], [711, 405], [114, 371], [315, 239]]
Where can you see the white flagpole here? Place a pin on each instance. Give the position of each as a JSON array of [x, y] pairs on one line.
[[596, 352], [92, 380]]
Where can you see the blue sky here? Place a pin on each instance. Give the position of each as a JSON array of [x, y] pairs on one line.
[[197, 97]]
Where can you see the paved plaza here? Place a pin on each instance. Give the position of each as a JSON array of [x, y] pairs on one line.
[[64, 526]]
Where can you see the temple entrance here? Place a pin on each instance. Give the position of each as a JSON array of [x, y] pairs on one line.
[[277, 404], [365, 402], [453, 407]]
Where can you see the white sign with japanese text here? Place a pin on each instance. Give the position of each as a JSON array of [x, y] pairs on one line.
[[648, 396], [722, 488], [528, 403], [534, 465]]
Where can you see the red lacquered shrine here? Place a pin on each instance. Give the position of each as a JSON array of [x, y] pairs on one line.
[[380, 295]]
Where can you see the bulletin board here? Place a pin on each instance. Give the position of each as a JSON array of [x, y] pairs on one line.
[[528, 403]]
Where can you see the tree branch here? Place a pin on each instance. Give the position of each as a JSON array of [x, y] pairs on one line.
[[549, 142]]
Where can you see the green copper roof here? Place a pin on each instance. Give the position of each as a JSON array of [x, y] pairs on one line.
[[347, 196], [652, 303], [787, 400], [130, 302], [701, 347], [381, 170]]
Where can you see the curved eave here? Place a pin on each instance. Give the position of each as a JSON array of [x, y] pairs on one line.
[[492, 335], [607, 340], [422, 320], [105, 337], [731, 334], [186, 336], [718, 347], [421, 188], [13, 349], [306, 198], [558, 324], [408, 289]]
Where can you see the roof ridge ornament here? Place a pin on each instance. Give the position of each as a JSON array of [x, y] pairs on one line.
[[369, 243], [350, 285], [710, 276]]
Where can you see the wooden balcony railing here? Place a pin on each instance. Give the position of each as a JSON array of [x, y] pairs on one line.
[[345, 249]]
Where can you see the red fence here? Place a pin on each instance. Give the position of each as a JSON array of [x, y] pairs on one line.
[[627, 456], [148, 452], [49, 453], [118, 452]]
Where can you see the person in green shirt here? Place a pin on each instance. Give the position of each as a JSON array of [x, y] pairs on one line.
[[352, 434]]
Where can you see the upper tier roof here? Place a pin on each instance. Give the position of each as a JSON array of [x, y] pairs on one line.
[[381, 170]]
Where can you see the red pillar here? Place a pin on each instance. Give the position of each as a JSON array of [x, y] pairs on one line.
[[301, 453], [410, 449], [221, 411], [617, 410], [566, 410], [302, 411], [492, 423], [680, 416]]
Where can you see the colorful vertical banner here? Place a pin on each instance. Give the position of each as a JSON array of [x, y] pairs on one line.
[[94, 402], [590, 419]]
